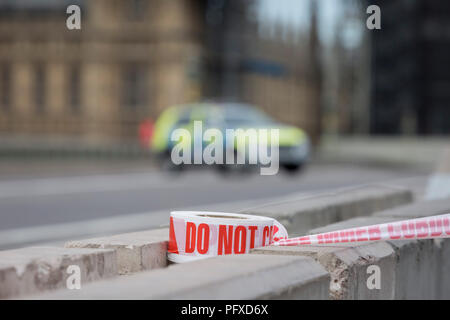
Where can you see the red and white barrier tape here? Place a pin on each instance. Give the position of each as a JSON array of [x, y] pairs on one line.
[[422, 228], [198, 235]]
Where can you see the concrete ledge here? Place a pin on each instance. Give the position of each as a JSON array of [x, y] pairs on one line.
[[135, 251], [421, 266], [409, 269], [36, 269], [227, 277], [431, 255], [347, 267], [418, 209], [416, 152], [353, 223], [417, 185], [439, 185], [299, 215]]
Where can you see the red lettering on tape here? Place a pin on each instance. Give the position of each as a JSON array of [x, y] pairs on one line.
[[347, 236], [265, 235], [394, 231], [328, 237], [320, 239], [203, 238], [359, 234], [422, 229], [252, 235], [305, 240], [447, 226], [374, 233], [435, 227], [408, 230], [225, 240], [240, 237], [190, 237]]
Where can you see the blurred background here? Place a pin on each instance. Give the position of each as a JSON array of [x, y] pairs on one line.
[[309, 63], [77, 107]]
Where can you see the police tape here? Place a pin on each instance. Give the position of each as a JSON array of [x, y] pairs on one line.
[[197, 235], [433, 227]]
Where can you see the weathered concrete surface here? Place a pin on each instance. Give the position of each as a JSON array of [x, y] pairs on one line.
[[299, 215], [421, 266], [353, 223], [135, 251], [347, 267], [35, 269], [227, 277], [417, 185], [433, 256], [439, 185], [418, 209], [409, 269], [444, 267]]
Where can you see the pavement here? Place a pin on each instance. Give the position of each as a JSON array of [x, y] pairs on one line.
[[389, 151], [48, 201]]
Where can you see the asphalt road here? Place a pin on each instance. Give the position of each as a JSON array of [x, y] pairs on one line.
[[39, 203]]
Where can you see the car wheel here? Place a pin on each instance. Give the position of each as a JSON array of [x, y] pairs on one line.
[[293, 168], [167, 165]]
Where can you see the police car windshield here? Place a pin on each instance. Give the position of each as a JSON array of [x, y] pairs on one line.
[[245, 116]]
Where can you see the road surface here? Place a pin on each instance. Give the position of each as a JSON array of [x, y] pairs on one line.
[[40, 203]]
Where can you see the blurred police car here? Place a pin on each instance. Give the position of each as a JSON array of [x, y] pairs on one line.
[[294, 146]]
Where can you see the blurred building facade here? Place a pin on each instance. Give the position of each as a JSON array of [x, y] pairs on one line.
[[393, 81], [126, 63], [133, 58], [347, 73], [410, 68], [277, 70]]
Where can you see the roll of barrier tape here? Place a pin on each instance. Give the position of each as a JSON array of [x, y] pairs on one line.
[[196, 235]]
